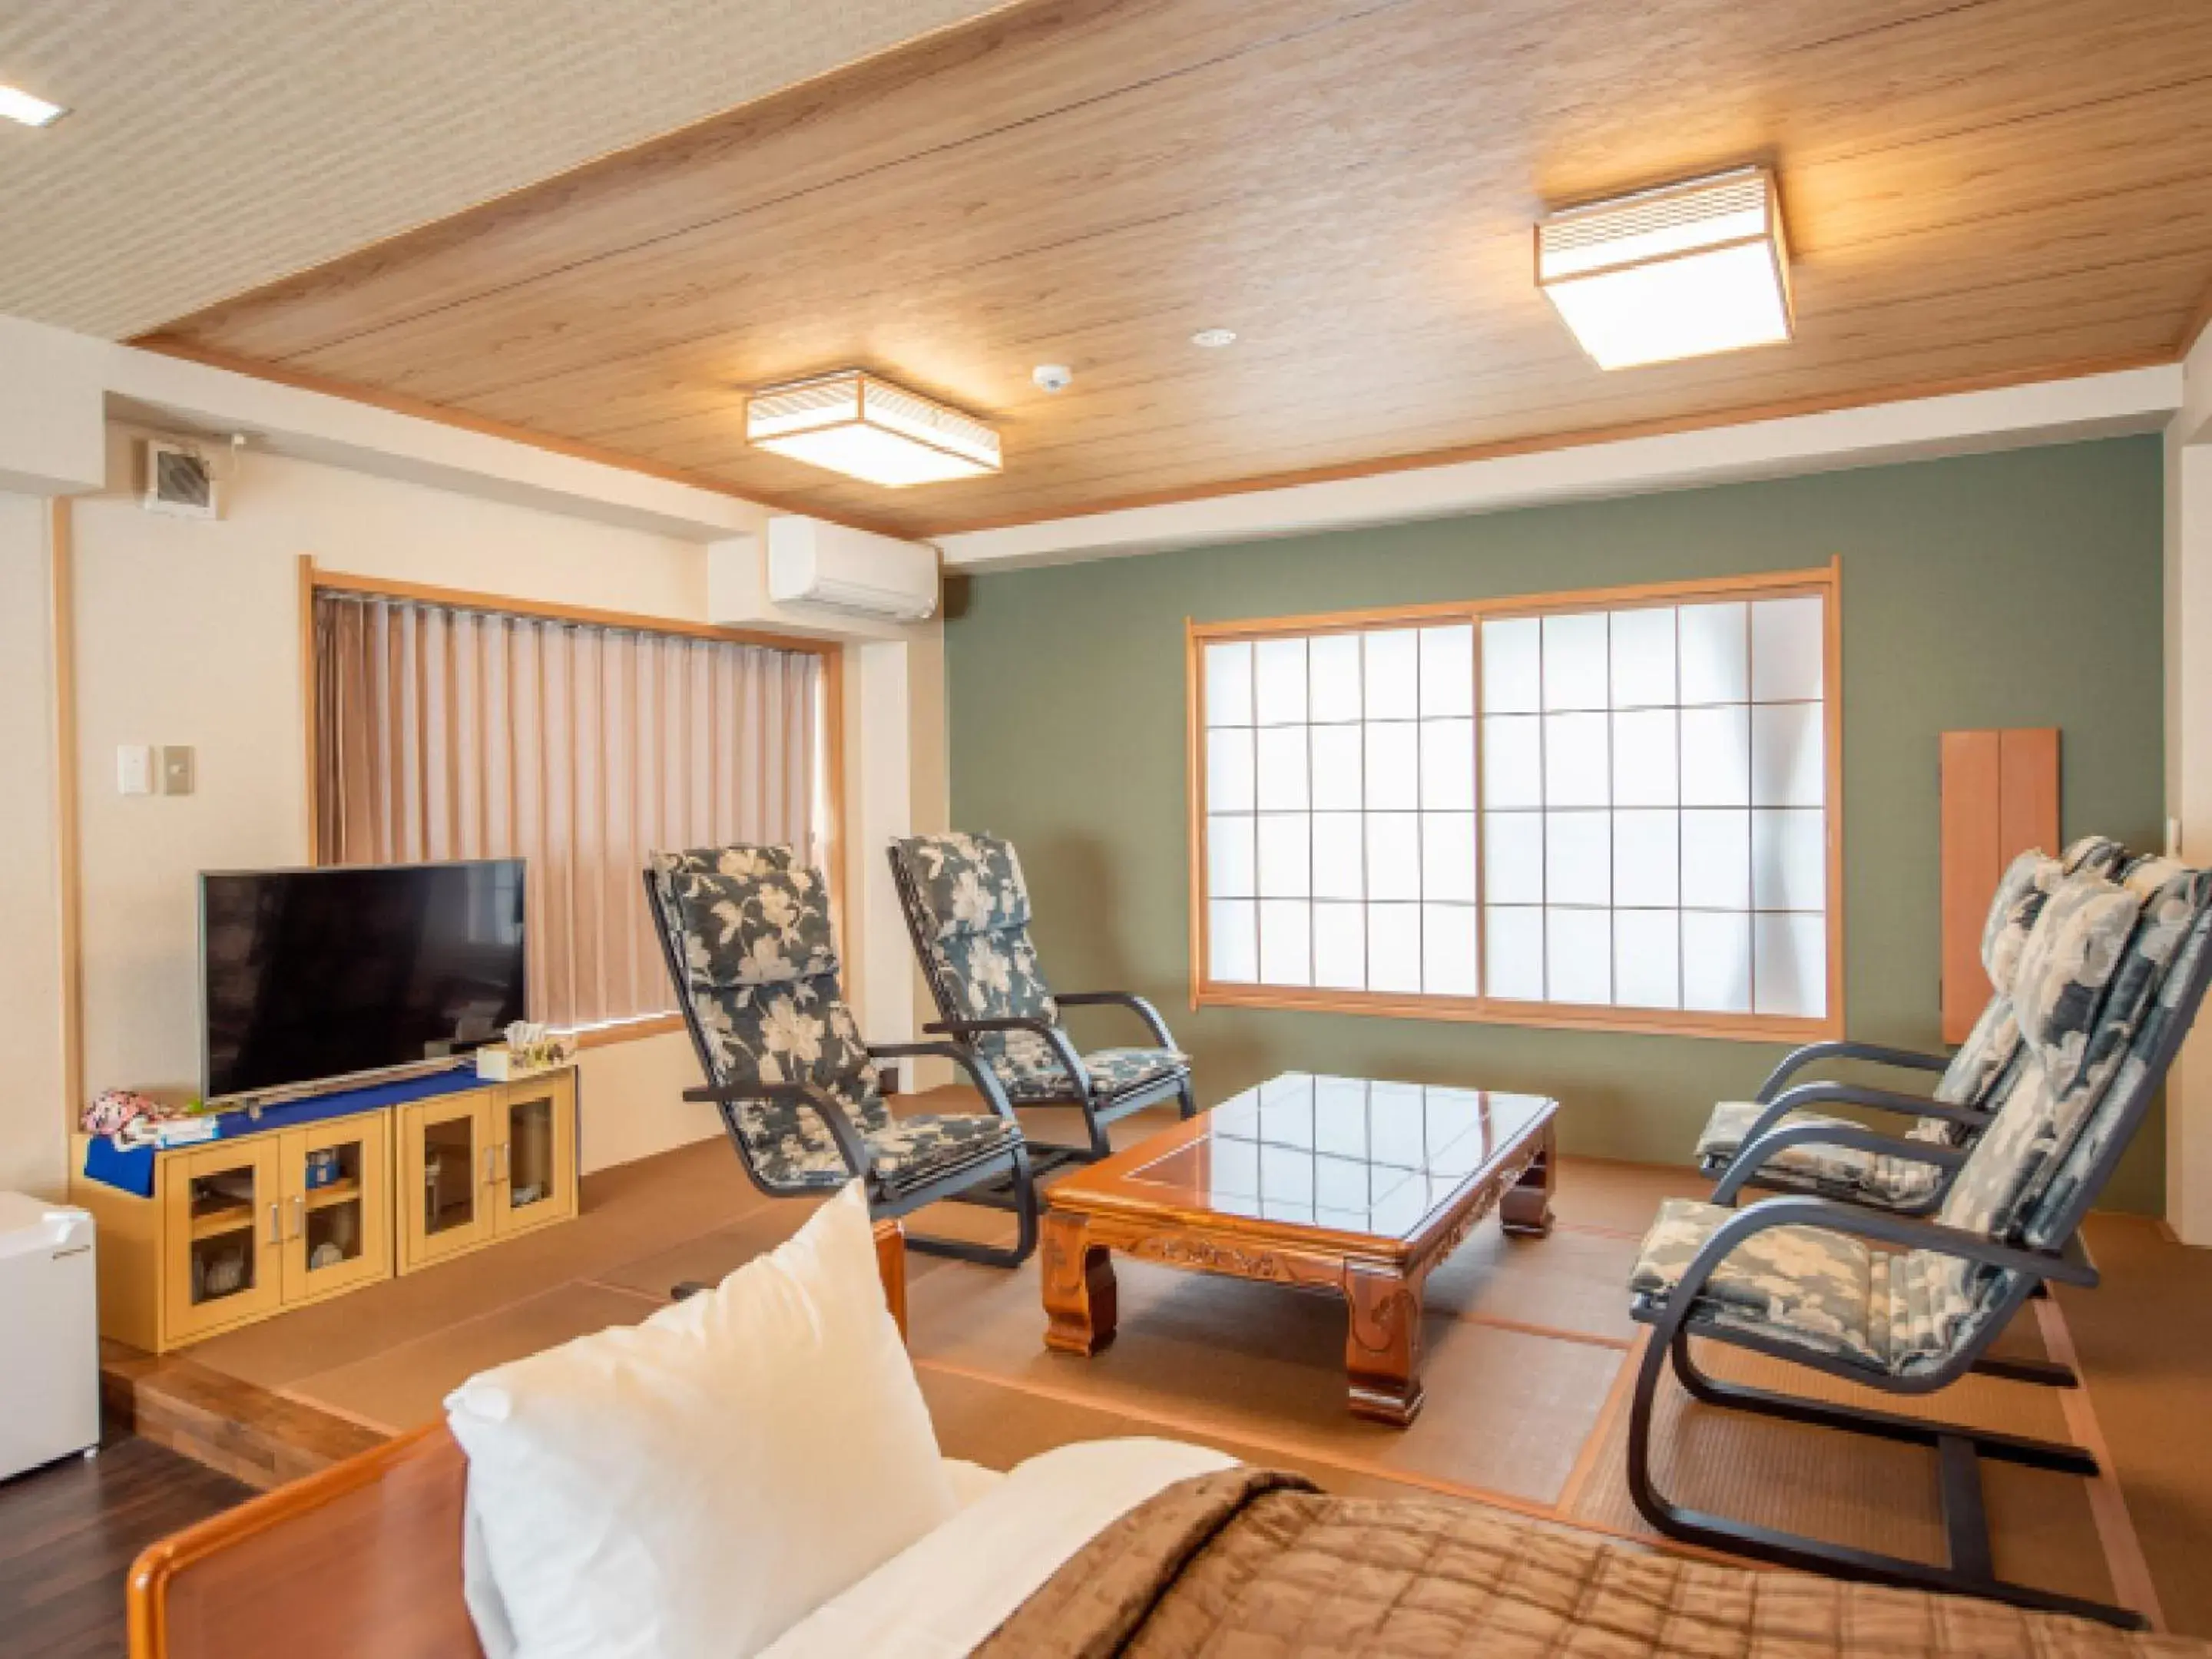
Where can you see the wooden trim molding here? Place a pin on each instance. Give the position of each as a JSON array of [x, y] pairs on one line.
[[67, 855], [834, 665], [1824, 582], [387, 587], [628, 1030], [310, 724]]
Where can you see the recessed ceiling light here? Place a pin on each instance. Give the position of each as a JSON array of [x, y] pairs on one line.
[[18, 105], [1214, 338], [1683, 272], [864, 427]]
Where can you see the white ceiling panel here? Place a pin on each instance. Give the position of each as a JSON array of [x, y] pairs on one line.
[[215, 145]]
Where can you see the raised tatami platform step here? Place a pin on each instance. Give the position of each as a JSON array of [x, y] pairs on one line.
[[239, 1428]]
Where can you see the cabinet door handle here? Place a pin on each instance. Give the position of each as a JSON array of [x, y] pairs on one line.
[[507, 1160], [298, 1215], [276, 1223], [491, 1162]]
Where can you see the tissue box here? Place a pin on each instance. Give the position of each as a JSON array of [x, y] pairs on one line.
[[501, 1065]]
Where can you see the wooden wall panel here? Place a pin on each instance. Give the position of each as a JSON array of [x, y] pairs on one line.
[[2000, 797]]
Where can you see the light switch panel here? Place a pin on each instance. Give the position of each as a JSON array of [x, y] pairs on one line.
[[134, 769], [177, 769]]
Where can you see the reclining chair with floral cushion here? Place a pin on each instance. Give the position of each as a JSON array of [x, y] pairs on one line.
[[2109, 980], [746, 931], [968, 910], [1775, 1141]]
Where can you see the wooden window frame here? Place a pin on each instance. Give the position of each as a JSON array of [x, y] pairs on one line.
[[1826, 583], [314, 580]]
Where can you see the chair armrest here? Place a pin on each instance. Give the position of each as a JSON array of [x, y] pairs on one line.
[[1062, 1049], [1828, 1216], [850, 1145], [1145, 1010], [1753, 1155], [1845, 1048], [1853, 1094], [986, 1081]]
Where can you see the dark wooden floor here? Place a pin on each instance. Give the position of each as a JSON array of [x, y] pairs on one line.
[[68, 1532]]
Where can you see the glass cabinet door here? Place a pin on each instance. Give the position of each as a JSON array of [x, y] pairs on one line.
[[448, 1194], [447, 1161], [535, 1169], [225, 1230], [335, 1210]]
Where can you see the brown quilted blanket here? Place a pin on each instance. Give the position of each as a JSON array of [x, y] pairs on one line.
[[1250, 1564]]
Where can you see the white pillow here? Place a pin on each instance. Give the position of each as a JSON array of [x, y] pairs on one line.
[[697, 1484]]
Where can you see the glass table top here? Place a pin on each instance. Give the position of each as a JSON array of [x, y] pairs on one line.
[[1344, 1153]]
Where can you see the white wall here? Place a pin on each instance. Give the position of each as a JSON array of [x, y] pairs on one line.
[[189, 633], [2188, 771], [32, 1148]]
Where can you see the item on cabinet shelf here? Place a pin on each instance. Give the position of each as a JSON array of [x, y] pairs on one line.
[[131, 1119], [531, 1050], [225, 1190], [323, 1167], [529, 1194], [326, 1254], [221, 1273]]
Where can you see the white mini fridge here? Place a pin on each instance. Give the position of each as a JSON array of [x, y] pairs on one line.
[[49, 1334]]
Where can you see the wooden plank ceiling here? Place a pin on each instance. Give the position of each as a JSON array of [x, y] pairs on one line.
[[1975, 193]]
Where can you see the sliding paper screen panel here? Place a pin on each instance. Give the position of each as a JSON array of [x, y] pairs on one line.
[[2000, 797]]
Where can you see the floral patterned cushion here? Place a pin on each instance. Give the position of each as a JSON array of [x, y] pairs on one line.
[[2022, 891], [967, 902], [2146, 1000], [747, 921], [1845, 1172], [904, 1153], [1804, 1286], [1032, 1072], [749, 915], [968, 884], [1825, 1291]]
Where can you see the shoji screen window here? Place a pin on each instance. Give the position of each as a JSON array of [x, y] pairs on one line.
[[1340, 811], [1573, 810], [1655, 794]]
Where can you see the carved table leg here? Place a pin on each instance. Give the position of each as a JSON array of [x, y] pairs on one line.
[[1078, 1286], [1525, 1212], [1382, 1345]]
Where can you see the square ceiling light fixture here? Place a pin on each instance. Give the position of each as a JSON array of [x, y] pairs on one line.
[[17, 105], [1682, 271], [853, 423]]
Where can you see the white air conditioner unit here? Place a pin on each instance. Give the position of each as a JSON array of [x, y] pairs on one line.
[[179, 481], [811, 562]]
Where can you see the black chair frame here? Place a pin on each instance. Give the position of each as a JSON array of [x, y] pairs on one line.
[[1969, 1569], [1768, 1135], [953, 1023], [1003, 1179]]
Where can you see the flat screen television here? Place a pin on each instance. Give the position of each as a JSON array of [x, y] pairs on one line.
[[312, 976]]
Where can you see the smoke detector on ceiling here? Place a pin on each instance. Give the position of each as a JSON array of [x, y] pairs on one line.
[[179, 481]]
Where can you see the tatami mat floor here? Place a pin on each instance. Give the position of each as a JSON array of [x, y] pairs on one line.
[[1529, 1344]]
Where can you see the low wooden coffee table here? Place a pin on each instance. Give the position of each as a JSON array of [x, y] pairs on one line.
[[1322, 1183]]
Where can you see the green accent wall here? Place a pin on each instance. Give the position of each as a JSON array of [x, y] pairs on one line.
[[2014, 589]]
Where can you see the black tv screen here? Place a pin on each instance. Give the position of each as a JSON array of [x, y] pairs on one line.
[[307, 976]]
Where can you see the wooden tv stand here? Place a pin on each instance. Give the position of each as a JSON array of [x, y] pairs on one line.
[[335, 1193]]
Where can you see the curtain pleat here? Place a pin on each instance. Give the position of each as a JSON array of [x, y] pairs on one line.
[[445, 733]]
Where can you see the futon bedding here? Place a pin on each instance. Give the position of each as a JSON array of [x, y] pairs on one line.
[[1254, 1564]]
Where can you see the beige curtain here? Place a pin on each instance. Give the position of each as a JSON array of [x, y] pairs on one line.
[[446, 733]]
